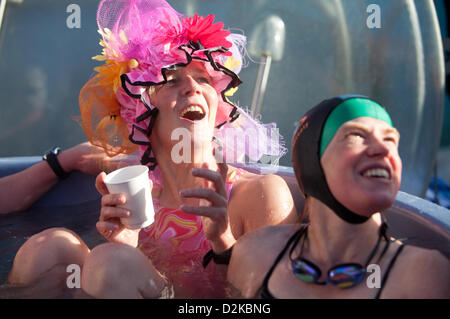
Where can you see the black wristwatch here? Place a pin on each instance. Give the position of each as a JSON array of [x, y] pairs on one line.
[[51, 157], [222, 258]]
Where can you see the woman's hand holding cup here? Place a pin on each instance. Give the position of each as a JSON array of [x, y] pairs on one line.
[[110, 224]]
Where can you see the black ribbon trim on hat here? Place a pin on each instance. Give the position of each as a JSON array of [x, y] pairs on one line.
[[192, 47]]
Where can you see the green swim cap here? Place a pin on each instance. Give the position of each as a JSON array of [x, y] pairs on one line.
[[349, 110]]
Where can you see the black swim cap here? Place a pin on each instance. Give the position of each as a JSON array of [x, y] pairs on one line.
[[307, 150]]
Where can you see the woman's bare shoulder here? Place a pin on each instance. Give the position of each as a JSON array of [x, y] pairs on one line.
[[267, 237], [259, 247], [426, 257], [422, 273], [261, 179], [253, 255], [264, 190]]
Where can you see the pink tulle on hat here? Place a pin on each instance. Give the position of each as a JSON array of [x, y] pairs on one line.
[[142, 39]]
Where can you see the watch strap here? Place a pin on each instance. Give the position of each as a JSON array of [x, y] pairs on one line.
[[51, 158], [222, 258]]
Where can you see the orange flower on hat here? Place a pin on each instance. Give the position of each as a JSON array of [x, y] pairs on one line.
[[110, 72]]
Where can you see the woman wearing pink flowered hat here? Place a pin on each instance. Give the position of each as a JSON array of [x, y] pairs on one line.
[[168, 76]]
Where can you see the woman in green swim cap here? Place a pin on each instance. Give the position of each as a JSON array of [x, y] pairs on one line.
[[345, 157]]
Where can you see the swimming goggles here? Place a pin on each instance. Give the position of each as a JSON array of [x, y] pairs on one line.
[[343, 276]]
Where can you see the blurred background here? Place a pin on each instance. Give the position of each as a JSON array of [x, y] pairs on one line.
[[300, 52]]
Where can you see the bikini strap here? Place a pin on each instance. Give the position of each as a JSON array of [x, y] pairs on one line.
[[386, 246], [296, 236], [381, 234], [386, 274]]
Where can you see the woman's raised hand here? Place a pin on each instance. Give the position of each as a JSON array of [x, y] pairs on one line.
[[213, 206], [109, 224]]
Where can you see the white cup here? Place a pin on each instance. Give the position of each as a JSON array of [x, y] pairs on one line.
[[133, 181]]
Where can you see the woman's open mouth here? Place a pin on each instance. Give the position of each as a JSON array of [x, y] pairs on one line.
[[381, 173], [193, 113]]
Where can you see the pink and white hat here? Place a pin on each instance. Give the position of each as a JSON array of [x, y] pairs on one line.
[[142, 39]]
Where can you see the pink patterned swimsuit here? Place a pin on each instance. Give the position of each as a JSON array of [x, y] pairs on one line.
[[176, 244]]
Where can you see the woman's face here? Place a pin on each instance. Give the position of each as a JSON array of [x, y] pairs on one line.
[[187, 101], [362, 165]]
